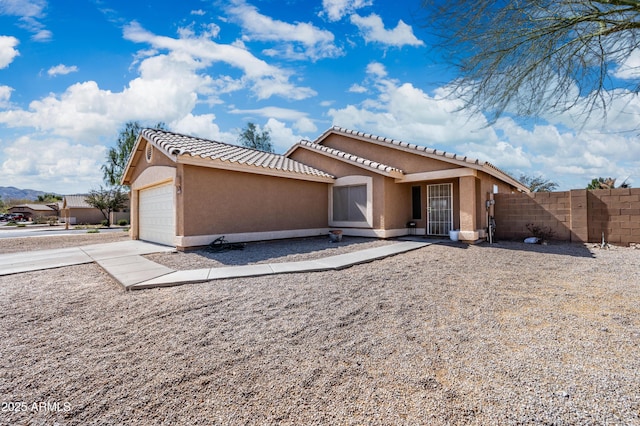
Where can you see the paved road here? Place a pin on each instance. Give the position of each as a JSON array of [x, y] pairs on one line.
[[12, 232]]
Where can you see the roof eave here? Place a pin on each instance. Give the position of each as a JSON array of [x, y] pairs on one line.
[[395, 174], [239, 167]]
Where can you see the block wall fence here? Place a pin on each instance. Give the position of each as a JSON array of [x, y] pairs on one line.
[[577, 215]]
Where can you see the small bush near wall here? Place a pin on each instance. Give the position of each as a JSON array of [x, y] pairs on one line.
[[577, 215]]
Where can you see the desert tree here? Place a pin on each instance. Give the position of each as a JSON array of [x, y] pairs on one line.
[[538, 57], [118, 156], [538, 183], [606, 183], [107, 200], [252, 137]]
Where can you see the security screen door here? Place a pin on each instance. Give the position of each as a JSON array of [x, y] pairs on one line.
[[439, 209]]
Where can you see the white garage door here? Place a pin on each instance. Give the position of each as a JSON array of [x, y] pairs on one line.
[[157, 215]]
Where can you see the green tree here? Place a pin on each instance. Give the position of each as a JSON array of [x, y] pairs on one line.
[[251, 137], [49, 198], [107, 200], [538, 183], [118, 156], [538, 56], [606, 183]]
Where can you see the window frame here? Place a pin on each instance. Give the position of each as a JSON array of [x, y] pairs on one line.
[[353, 181]]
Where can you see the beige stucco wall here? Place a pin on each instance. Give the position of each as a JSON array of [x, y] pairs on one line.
[[405, 161], [216, 201], [83, 216], [341, 169]]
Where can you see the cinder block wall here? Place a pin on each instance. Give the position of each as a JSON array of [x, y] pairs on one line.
[[546, 209], [577, 215]]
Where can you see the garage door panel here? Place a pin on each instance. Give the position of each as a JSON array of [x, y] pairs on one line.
[[157, 214]]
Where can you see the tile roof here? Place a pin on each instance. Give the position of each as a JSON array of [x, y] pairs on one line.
[[176, 144], [445, 156], [35, 207], [379, 167], [77, 201]]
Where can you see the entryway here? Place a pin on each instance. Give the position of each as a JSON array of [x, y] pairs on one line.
[[439, 209]]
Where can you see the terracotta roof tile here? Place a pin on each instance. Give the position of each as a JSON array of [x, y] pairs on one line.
[[351, 157], [183, 145], [448, 155], [77, 201]]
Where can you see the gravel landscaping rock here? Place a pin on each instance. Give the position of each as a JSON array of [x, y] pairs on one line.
[[449, 334], [16, 245], [292, 250]]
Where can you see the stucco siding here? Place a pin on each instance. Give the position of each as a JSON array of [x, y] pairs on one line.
[[219, 201], [405, 161]]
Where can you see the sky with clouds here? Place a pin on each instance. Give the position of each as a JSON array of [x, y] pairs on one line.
[[71, 77]]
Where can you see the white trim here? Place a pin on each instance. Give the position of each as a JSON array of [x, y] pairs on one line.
[[353, 181], [438, 174], [203, 240]]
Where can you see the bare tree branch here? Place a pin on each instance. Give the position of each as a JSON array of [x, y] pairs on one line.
[[537, 57]]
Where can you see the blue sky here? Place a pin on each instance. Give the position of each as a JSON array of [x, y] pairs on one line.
[[70, 77]]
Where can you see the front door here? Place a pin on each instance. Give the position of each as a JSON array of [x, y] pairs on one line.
[[439, 209]]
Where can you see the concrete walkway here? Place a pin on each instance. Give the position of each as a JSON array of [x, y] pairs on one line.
[[124, 262], [15, 263]]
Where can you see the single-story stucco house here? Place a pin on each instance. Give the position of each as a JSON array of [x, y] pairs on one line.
[[187, 191], [34, 211], [77, 211]]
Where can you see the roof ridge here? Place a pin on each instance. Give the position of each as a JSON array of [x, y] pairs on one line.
[[418, 148], [352, 157], [203, 139], [184, 145]]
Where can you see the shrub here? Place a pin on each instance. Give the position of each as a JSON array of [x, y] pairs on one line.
[[105, 222], [123, 222], [544, 233], [93, 231]]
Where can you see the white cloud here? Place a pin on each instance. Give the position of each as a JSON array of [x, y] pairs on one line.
[[300, 119], [167, 89], [202, 126], [265, 80], [282, 137], [356, 88], [5, 95], [301, 40], [198, 12], [372, 29], [572, 157], [630, 68], [54, 164], [376, 69], [29, 12], [335, 10], [62, 70], [33, 8], [7, 50]]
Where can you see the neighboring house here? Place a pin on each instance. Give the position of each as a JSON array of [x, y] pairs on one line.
[[34, 211], [76, 211], [187, 191]]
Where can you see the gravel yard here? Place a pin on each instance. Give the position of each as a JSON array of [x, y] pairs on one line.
[[448, 334], [266, 252]]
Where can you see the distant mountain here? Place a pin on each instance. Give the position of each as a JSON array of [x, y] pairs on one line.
[[11, 193]]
